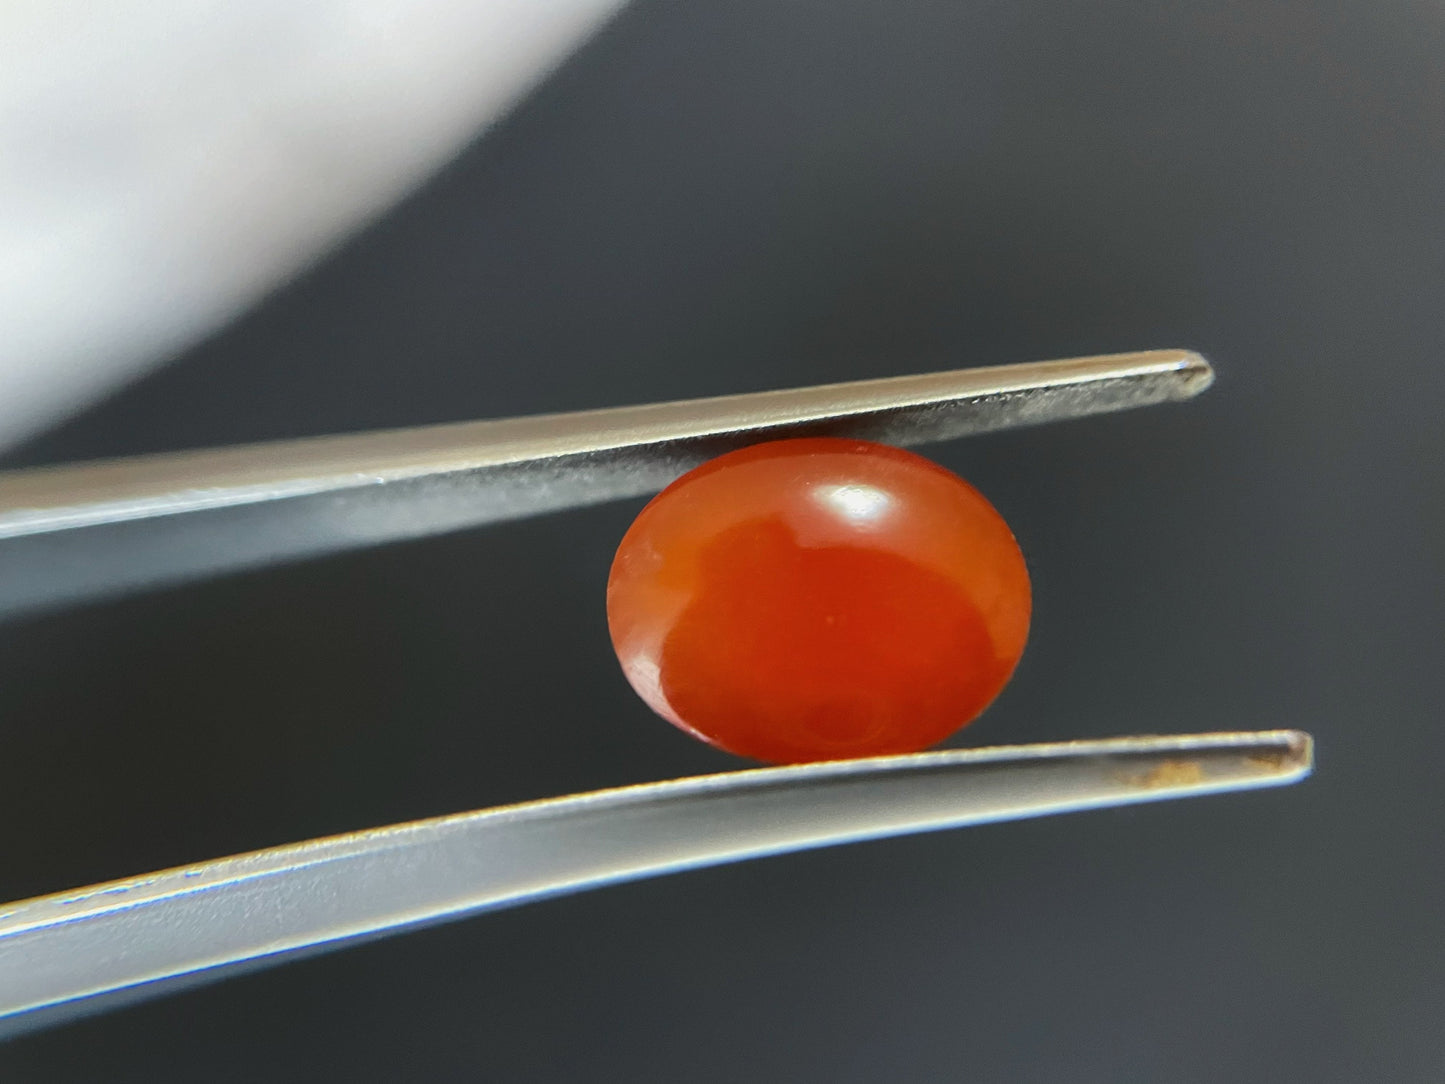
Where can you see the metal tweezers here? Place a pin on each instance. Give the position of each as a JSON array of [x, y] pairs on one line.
[[74, 532]]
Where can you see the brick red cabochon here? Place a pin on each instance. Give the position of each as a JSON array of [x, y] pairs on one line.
[[817, 599]]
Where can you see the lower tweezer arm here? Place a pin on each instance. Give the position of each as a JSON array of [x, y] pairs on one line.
[[79, 951]]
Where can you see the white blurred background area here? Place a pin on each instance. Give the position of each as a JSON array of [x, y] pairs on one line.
[[165, 163]]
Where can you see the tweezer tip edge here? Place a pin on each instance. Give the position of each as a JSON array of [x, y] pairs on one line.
[[1295, 759], [1198, 373], [1302, 751]]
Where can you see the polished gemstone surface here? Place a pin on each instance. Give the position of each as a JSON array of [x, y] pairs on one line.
[[818, 599]]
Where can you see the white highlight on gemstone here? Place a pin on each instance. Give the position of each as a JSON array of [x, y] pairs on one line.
[[644, 674], [861, 504]]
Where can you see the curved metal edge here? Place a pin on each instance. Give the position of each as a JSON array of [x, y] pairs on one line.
[[182, 925], [907, 408], [93, 530]]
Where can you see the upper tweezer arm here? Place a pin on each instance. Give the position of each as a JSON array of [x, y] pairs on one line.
[[89, 529]]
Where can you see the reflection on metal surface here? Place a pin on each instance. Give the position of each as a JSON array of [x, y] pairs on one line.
[[78, 951], [98, 528]]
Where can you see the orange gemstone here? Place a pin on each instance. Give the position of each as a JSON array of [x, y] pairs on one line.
[[819, 599]]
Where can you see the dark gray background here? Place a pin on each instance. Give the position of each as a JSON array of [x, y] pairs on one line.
[[722, 197]]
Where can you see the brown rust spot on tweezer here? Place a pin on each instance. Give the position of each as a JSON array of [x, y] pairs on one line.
[[1168, 773], [1276, 761]]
